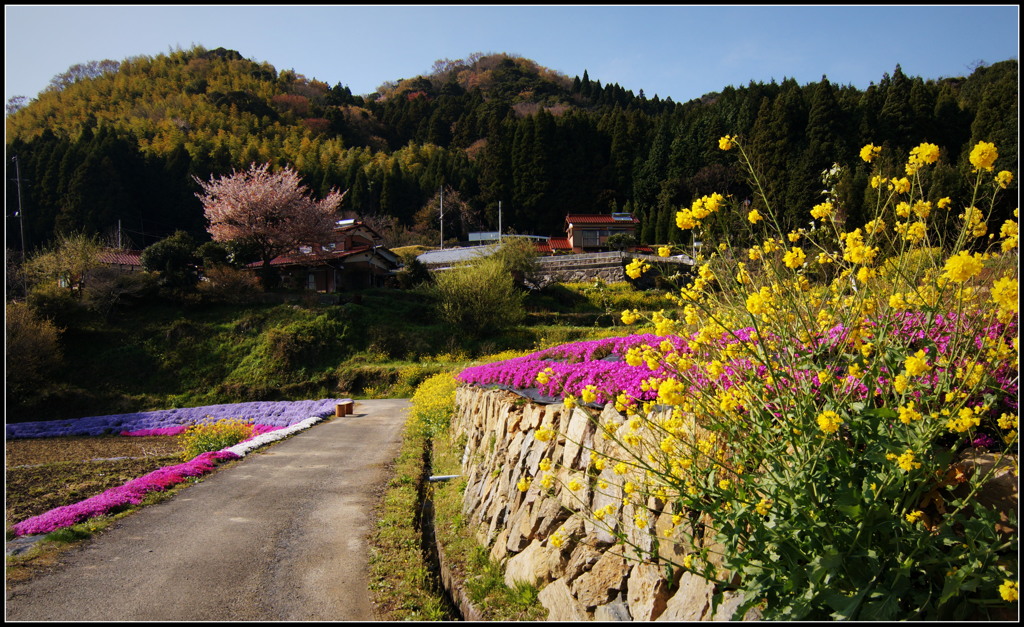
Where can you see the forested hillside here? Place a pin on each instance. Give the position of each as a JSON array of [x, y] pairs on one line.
[[118, 143]]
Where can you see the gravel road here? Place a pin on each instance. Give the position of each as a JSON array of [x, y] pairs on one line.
[[279, 536]]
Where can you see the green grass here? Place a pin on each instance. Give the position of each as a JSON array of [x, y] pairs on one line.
[[483, 578]]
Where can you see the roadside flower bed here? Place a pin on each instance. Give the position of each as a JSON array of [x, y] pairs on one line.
[[131, 493], [272, 421], [264, 416], [634, 366], [828, 415]]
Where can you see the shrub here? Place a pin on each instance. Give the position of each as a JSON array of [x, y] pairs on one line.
[[478, 298], [33, 349], [206, 437], [226, 284]]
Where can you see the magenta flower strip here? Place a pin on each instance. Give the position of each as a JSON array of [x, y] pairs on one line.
[[131, 493], [574, 366]]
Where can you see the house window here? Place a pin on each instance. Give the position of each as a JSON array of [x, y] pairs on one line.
[[311, 281], [591, 239]]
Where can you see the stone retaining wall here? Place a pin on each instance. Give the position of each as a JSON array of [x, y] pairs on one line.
[[590, 576]]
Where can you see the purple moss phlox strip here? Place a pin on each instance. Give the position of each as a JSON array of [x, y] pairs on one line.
[[131, 492], [257, 430], [270, 413]]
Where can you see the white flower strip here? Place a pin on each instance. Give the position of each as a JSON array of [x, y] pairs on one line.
[[242, 448]]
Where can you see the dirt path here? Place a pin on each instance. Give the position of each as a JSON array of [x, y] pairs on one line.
[[281, 535]]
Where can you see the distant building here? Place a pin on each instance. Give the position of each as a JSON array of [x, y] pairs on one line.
[[355, 258], [123, 260], [590, 232]]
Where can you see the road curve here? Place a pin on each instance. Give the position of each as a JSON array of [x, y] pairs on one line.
[[279, 536]]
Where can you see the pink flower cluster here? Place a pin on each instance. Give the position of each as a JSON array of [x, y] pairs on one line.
[[575, 366], [131, 492], [572, 367]]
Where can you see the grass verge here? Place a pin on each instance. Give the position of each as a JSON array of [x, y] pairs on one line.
[[402, 581], [483, 578]]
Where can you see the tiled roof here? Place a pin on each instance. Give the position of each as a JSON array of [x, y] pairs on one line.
[[313, 258], [585, 218], [121, 257]]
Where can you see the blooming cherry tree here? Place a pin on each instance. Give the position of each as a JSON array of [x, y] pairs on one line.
[[271, 210]]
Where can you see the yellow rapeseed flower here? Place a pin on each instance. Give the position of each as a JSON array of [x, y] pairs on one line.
[[1009, 233], [637, 267], [963, 266], [900, 186], [983, 156], [754, 216], [906, 461], [544, 434], [869, 152], [821, 211], [1004, 178], [1004, 294], [908, 413], [794, 258], [664, 251], [917, 363], [1008, 590], [829, 421], [726, 142]]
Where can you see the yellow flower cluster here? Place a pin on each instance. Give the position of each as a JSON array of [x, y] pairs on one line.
[[921, 155], [856, 251], [963, 266], [917, 364], [869, 152], [984, 156], [822, 211], [794, 258], [829, 421], [636, 268], [1008, 590], [701, 208], [906, 461], [966, 419]]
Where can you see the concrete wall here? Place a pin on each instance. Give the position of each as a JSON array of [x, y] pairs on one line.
[[591, 576]]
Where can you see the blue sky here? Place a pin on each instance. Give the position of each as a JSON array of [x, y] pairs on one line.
[[680, 52]]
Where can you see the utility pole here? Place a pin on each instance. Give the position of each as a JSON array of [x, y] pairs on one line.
[[21, 223], [441, 191], [499, 221]]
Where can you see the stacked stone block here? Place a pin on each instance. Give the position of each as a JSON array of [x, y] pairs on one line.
[[591, 576]]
